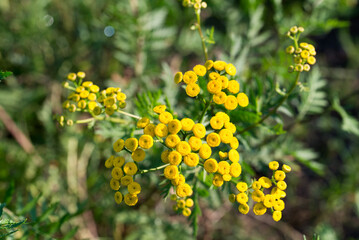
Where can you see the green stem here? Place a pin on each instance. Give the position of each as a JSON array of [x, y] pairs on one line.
[[128, 114], [198, 13], [274, 109], [153, 169], [204, 111], [88, 120]]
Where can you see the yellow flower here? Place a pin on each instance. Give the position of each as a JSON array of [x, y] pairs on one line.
[[190, 77], [183, 148], [181, 203], [114, 184], [305, 54], [286, 168], [226, 177], [189, 202], [214, 86], [226, 135], [220, 98], [81, 75], [219, 65], [80, 89], [138, 155], [208, 64], [92, 105], [235, 169], [172, 140], [174, 158], [161, 130], [222, 155], [277, 215], [200, 70], [242, 99], [211, 165], [117, 173], [134, 188], [274, 165], [118, 197], [82, 104], [192, 89], [223, 116], [233, 155], [143, 122], [223, 167], [178, 180], [92, 97], [109, 162], [94, 88], [121, 97], [159, 109], [234, 143], [145, 141], [265, 182], [259, 209], [171, 172], [131, 144], [130, 168], [243, 208], [268, 200], [108, 102], [174, 126], [195, 143], [279, 175], [191, 160], [165, 117], [282, 185], [184, 190], [233, 86], [186, 212], [178, 77], [277, 193], [216, 122], [131, 199], [242, 198], [217, 180], [118, 161], [256, 185], [199, 130], [97, 110], [232, 197], [257, 196], [214, 75], [118, 145], [125, 180], [164, 156], [279, 205], [213, 139], [205, 151], [224, 81], [242, 186], [231, 102], [71, 76], [150, 130], [311, 60], [187, 124], [230, 69]]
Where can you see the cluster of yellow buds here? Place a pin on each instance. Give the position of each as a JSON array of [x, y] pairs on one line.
[[213, 74], [182, 205], [196, 4], [303, 53], [88, 97], [271, 200]]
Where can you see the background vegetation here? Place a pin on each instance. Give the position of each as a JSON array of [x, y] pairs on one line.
[[53, 184]]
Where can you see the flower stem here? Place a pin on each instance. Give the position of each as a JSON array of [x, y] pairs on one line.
[[274, 109], [128, 114], [154, 169], [205, 51], [204, 111]]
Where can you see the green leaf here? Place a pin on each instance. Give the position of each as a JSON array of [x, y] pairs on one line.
[[5, 74], [350, 124], [307, 157]]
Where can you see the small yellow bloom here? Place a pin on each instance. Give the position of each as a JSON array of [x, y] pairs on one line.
[[118, 145], [190, 77], [265, 182], [134, 188], [226, 136], [117, 173], [220, 98], [268, 201], [181, 203], [81, 75], [171, 172], [208, 64], [211, 165], [286, 168], [126, 180], [242, 99], [131, 144], [224, 81], [311, 60], [213, 139], [150, 129], [274, 165], [131, 199], [282, 185], [189, 202], [159, 109], [227, 177], [199, 130], [230, 69], [183, 148], [161, 130], [178, 77], [243, 208], [71, 76], [92, 97], [223, 116], [172, 140], [195, 143], [256, 185], [145, 141], [242, 198], [94, 88], [259, 209], [214, 86], [232, 197], [258, 196], [191, 160], [118, 197], [186, 212], [235, 169], [130, 168], [165, 117], [279, 175], [114, 184], [164, 156], [305, 54], [193, 89], [219, 65], [216, 122], [187, 124], [143, 122], [108, 102], [97, 110], [233, 86], [242, 186], [118, 161], [138, 155], [174, 126], [217, 180], [205, 151], [234, 143], [277, 215], [231, 102], [222, 155], [184, 190], [214, 75], [200, 70], [174, 158], [121, 97], [279, 205], [178, 180], [82, 104], [223, 167]]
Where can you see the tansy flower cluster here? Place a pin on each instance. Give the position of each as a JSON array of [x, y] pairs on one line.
[[196, 4], [88, 97], [303, 54], [266, 193], [182, 205], [218, 78]]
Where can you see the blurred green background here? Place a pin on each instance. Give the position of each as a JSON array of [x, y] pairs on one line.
[[55, 177]]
